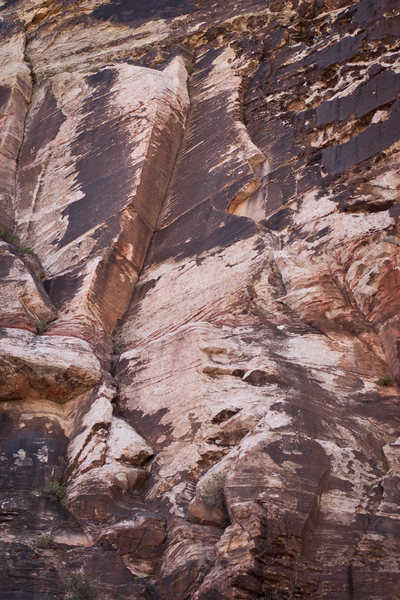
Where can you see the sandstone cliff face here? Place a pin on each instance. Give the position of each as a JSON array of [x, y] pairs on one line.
[[199, 295]]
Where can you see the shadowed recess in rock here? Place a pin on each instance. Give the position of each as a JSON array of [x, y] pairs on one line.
[[136, 12]]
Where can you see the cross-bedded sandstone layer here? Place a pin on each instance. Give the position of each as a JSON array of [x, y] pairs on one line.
[[200, 299]]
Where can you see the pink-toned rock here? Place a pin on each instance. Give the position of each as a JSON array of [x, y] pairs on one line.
[[23, 303], [138, 540], [110, 141], [15, 94], [32, 367]]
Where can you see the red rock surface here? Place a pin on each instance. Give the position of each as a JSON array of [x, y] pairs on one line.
[[199, 267]]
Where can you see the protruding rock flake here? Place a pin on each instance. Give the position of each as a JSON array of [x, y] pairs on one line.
[[200, 299]]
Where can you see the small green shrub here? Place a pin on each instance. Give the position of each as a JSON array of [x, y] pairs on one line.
[[190, 68], [212, 490], [53, 490], [45, 542], [8, 236], [385, 381], [27, 250], [115, 408], [116, 350], [12, 238], [41, 326], [75, 586]]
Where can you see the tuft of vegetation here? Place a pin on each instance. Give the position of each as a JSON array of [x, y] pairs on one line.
[[27, 250], [115, 408], [41, 326], [74, 586], [8, 236], [190, 68], [45, 542], [385, 381], [12, 238], [212, 490], [53, 490], [116, 350]]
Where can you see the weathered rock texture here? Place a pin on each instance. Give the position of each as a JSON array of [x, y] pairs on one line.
[[200, 299]]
